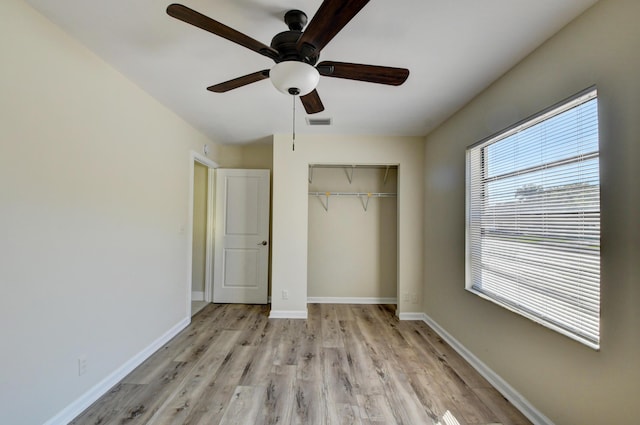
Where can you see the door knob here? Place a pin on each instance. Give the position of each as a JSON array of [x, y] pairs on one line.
[[263, 243]]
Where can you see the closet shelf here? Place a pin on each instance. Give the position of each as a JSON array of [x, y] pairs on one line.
[[363, 196], [349, 169]]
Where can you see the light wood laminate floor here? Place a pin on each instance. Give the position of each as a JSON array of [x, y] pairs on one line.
[[346, 364]]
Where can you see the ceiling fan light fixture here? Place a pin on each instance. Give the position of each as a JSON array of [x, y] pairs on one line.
[[294, 78]]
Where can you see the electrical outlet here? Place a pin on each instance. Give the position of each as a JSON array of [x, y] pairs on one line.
[[406, 297], [285, 294], [414, 298], [82, 365]]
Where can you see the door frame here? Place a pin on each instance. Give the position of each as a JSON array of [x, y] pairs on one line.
[[211, 165]]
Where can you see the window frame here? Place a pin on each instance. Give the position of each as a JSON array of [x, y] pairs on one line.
[[558, 108]]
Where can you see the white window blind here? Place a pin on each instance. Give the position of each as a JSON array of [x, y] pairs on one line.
[[533, 219]]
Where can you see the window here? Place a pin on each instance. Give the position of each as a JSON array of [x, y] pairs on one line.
[[533, 218]]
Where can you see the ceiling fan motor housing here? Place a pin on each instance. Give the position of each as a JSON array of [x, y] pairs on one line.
[[295, 19], [286, 42]]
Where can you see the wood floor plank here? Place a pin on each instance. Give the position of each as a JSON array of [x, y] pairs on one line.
[[404, 404], [432, 397], [184, 399], [150, 369], [279, 397], [310, 403], [403, 399], [254, 333], [504, 411], [389, 326], [375, 409], [109, 405], [244, 406], [366, 379], [261, 366], [337, 375], [345, 364], [348, 414], [308, 360], [330, 328], [463, 369], [344, 312], [198, 345], [426, 374], [453, 383], [141, 407], [210, 407], [289, 345]]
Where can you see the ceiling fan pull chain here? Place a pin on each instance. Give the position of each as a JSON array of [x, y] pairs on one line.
[[294, 123]]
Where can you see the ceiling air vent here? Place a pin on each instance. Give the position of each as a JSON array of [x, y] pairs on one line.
[[318, 121]]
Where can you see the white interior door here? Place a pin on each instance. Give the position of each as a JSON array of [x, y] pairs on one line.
[[241, 237]]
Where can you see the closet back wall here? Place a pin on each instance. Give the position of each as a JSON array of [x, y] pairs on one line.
[[352, 252]]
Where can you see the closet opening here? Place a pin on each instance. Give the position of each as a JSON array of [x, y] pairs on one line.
[[353, 234]]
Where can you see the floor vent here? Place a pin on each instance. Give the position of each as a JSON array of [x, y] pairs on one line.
[[319, 121]]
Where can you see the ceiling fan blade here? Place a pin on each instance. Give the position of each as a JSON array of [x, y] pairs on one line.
[[369, 73], [240, 81], [312, 103], [330, 18], [199, 20]]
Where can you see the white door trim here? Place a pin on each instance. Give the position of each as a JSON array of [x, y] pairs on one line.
[[197, 157], [209, 249]]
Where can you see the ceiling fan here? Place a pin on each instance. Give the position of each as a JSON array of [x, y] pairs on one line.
[[296, 53]]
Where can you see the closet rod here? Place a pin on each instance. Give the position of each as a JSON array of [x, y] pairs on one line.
[[370, 194], [363, 196]]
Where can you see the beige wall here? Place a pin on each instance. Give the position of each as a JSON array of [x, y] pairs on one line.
[[291, 204], [253, 156], [94, 177], [199, 241], [566, 381], [352, 252]]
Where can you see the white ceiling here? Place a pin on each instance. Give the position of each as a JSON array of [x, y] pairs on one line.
[[453, 48]]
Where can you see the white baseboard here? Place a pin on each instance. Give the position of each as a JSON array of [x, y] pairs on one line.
[[411, 316], [288, 314], [520, 403], [197, 296], [351, 300], [67, 414]]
